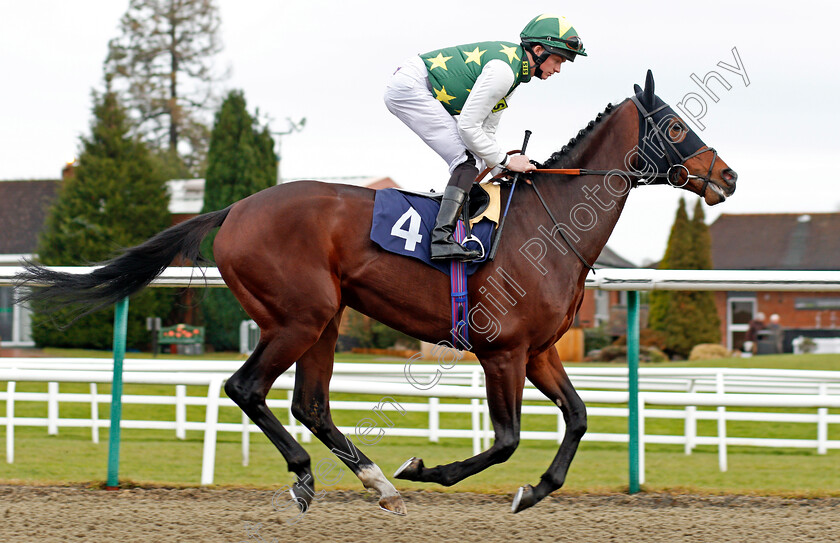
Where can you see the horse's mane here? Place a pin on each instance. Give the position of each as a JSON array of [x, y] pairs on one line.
[[566, 151]]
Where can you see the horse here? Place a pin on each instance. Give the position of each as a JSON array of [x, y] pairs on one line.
[[295, 255]]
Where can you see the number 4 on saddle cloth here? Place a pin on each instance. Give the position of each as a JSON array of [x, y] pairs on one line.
[[403, 223]]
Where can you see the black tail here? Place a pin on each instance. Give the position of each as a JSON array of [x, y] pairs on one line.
[[123, 275]]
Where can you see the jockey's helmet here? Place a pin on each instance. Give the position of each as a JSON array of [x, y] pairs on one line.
[[555, 34]]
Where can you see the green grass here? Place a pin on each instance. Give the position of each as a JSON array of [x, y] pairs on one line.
[[829, 362], [156, 457]]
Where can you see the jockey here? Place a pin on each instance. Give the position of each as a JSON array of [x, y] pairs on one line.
[[453, 98]]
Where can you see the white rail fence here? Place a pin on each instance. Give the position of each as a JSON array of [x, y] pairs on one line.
[[666, 393]]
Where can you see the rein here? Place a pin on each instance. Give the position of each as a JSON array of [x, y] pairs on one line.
[[670, 177], [658, 178], [501, 176]]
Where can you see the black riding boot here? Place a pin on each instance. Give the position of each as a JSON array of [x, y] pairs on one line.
[[443, 244]]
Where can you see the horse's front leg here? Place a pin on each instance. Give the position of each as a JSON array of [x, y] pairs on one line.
[[504, 378], [546, 372]]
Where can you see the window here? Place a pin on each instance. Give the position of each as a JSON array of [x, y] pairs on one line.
[[602, 307]]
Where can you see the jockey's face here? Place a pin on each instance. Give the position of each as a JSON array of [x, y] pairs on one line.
[[551, 65]]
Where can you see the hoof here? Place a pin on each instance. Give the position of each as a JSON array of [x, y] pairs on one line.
[[523, 500], [393, 504], [410, 470], [302, 496]]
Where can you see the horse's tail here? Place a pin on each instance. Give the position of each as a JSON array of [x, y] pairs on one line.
[[123, 275]]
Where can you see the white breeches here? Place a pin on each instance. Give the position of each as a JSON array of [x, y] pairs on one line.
[[408, 95]]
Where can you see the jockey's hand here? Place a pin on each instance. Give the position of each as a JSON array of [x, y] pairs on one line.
[[520, 163]]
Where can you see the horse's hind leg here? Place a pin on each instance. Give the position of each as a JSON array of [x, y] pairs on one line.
[[311, 406], [547, 373], [249, 386]]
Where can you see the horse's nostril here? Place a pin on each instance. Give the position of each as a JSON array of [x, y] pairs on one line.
[[729, 176]]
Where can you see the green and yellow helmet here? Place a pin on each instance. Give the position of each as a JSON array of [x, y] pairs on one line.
[[555, 34]]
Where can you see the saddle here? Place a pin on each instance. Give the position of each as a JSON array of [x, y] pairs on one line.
[[478, 200]]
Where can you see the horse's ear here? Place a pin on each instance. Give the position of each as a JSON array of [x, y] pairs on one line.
[[649, 95], [637, 89]]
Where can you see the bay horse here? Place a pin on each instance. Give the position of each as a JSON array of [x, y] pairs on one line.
[[295, 255]]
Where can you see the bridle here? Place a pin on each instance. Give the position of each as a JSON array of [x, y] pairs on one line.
[[672, 174], [658, 178], [674, 166]]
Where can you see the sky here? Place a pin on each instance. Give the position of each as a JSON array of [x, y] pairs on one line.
[[328, 61]]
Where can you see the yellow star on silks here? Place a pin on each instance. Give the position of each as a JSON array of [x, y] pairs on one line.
[[442, 96], [438, 62], [510, 52], [563, 25], [474, 56]]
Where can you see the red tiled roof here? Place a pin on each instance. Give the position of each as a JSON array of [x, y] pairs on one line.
[[23, 210], [776, 241]]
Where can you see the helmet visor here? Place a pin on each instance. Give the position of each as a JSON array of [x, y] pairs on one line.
[[565, 53], [568, 48]]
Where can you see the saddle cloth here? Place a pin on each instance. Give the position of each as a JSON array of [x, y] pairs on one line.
[[403, 222]]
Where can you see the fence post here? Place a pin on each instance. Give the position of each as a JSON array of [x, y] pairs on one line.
[[94, 414], [633, 387], [721, 412], [434, 419], [10, 422], [246, 440], [641, 439], [211, 417], [822, 423], [52, 408], [476, 412], [485, 417], [120, 328], [690, 419], [561, 427], [180, 412]]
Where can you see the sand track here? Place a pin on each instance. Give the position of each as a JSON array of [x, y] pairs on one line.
[[48, 513]]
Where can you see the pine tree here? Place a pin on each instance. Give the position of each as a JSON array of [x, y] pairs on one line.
[[686, 317], [240, 162], [674, 259], [115, 200], [162, 62], [707, 325]]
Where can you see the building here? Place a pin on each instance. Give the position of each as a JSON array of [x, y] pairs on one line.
[[24, 206], [23, 210], [187, 195], [783, 241], [606, 308]]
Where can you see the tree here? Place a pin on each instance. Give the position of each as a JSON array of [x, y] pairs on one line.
[[707, 326], [240, 162], [674, 259], [115, 199], [162, 61], [687, 318]]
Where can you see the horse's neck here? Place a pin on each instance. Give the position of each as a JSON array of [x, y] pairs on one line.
[[588, 207]]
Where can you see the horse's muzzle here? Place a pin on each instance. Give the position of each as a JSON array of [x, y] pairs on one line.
[[730, 178]]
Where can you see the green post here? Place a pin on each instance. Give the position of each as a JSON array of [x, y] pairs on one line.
[[120, 329], [633, 386]]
